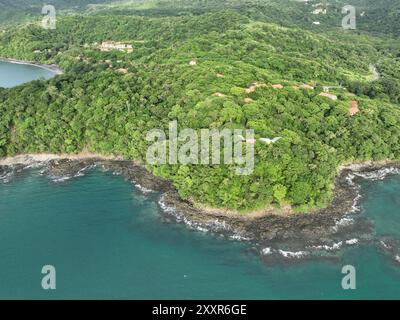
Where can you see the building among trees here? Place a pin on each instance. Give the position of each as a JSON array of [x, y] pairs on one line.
[[111, 45], [354, 108]]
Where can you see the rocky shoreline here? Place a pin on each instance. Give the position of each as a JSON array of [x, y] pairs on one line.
[[308, 227], [317, 226], [50, 67], [312, 226]]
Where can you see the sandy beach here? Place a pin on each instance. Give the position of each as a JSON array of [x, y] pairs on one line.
[[50, 67], [26, 159]]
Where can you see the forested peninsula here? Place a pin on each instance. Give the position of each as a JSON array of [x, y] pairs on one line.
[[332, 96]]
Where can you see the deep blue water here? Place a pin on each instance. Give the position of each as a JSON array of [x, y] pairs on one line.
[[107, 240]]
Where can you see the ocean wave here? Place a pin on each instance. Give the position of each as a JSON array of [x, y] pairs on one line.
[[266, 251], [7, 176], [179, 217], [309, 250], [143, 189], [378, 174], [34, 165], [239, 237], [350, 179], [352, 241], [391, 247], [293, 254], [164, 207], [59, 179], [286, 254], [63, 178], [385, 245], [9, 171], [333, 247], [355, 207], [213, 225], [342, 223]]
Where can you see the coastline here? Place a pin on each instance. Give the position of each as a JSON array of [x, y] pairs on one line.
[[316, 225], [49, 67], [29, 159]]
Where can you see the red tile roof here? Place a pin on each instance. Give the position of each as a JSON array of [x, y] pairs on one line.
[[354, 108]]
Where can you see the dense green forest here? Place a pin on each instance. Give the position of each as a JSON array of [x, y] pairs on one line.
[[95, 106], [374, 16]]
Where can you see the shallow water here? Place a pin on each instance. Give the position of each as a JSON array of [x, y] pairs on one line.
[[107, 240], [12, 74]]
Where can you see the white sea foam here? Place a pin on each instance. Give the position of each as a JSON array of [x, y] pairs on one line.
[[7, 176], [335, 246], [378, 174], [59, 179], [397, 258], [80, 173], [143, 189], [34, 165], [352, 241], [239, 237], [164, 207], [266, 251], [293, 254], [343, 223], [385, 245], [287, 254], [178, 216], [11, 170], [218, 225], [350, 179], [355, 207], [214, 225], [373, 175]]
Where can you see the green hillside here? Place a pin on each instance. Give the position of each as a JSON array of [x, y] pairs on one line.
[[374, 16]]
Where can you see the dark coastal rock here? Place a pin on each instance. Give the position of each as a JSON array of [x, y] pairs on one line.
[[131, 171], [7, 173], [270, 227], [305, 226], [66, 167], [138, 174]]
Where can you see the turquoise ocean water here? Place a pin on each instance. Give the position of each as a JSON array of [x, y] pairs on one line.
[[107, 240]]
